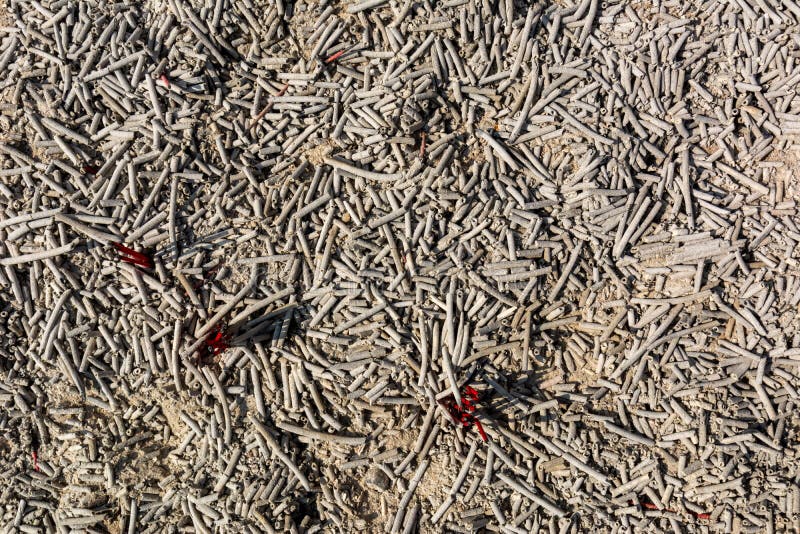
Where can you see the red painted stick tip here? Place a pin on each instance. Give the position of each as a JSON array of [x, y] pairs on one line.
[[335, 56], [217, 342], [464, 414], [484, 437]]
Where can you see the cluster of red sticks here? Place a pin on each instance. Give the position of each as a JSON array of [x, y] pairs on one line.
[[217, 342], [129, 255], [464, 414]]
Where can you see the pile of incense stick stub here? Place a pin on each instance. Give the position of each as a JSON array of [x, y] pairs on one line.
[[398, 266]]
